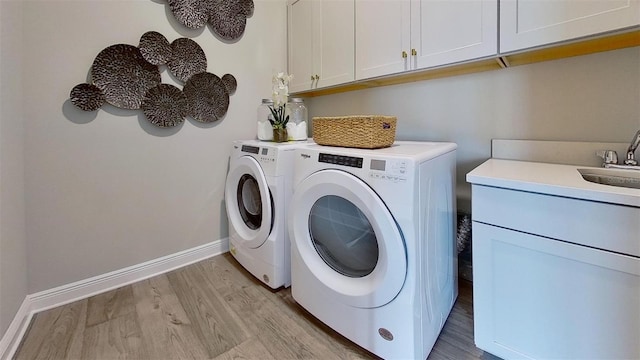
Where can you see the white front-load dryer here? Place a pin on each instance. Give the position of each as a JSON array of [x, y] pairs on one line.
[[257, 193], [373, 252]]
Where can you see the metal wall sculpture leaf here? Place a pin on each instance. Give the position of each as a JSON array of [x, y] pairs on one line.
[[190, 13], [188, 59], [155, 48], [230, 83], [227, 18], [208, 97], [87, 97], [165, 105], [124, 75]]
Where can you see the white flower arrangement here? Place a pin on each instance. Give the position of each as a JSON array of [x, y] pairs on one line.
[[280, 96]]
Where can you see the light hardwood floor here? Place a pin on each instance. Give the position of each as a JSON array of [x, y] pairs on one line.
[[213, 309]]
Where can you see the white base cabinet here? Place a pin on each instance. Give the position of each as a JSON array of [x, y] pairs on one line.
[[555, 277]]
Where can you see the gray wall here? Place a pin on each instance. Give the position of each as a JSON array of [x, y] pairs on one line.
[[86, 193], [588, 98], [13, 244]]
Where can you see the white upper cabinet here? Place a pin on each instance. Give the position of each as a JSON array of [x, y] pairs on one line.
[[383, 33], [446, 32], [399, 35], [335, 42], [300, 46], [321, 43], [530, 23]]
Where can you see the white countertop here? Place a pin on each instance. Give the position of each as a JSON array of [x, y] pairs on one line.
[[551, 179]]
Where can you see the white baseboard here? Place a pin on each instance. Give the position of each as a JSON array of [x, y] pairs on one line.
[[82, 289], [16, 330], [65, 294]]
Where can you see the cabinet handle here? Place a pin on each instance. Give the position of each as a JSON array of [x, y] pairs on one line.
[[317, 77], [404, 54], [414, 52], [313, 77]]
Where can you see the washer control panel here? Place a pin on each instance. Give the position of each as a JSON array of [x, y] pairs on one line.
[[263, 153], [250, 149]]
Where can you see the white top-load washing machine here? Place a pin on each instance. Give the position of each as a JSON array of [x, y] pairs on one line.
[[373, 251], [257, 194]]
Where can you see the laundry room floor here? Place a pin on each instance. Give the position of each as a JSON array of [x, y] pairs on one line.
[[212, 309]]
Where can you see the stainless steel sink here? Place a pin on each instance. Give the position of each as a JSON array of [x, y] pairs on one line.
[[612, 177]]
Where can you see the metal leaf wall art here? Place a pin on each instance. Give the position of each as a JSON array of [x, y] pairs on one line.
[[227, 18], [123, 75], [128, 77]]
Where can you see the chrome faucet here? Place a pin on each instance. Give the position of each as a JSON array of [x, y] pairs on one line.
[[610, 157], [630, 160]]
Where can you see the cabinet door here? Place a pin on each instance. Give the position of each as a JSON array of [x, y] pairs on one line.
[[529, 23], [540, 298], [383, 33], [334, 41], [445, 32], [300, 44]]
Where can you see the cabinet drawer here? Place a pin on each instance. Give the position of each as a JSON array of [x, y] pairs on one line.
[[600, 225]]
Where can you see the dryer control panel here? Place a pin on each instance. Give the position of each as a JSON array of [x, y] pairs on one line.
[[379, 169], [352, 161], [388, 170]]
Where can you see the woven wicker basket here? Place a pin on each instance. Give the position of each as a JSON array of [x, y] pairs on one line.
[[358, 131]]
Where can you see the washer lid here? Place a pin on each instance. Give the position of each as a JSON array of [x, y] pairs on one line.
[[248, 202], [347, 239]]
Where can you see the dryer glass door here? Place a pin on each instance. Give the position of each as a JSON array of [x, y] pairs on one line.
[[249, 203], [345, 236]]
